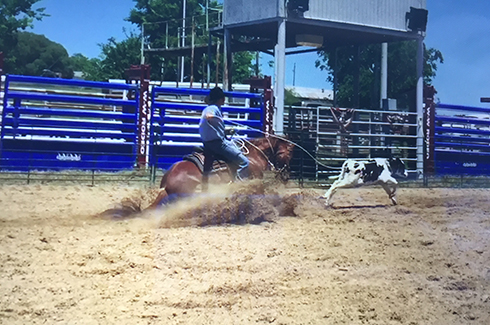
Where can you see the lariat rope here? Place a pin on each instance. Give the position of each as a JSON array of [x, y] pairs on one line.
[[286, 140], [242, 146]]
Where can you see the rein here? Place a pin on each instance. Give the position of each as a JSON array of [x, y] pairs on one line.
[[286, 140], [242, 145]]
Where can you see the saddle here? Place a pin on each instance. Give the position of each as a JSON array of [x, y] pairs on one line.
[[198, 159]]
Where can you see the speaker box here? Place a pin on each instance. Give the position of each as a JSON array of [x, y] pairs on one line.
[[299, 5], [417, 19]]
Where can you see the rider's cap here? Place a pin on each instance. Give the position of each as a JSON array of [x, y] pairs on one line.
[[216, 94]]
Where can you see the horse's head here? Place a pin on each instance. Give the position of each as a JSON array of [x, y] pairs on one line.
[[278, 151], [282, 152]]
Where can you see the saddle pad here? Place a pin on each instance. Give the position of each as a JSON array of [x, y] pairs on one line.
[[198, 159]]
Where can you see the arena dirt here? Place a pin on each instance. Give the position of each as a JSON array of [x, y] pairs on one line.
[[258, 254]]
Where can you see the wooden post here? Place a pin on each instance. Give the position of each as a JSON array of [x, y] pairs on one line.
[[141, 73]]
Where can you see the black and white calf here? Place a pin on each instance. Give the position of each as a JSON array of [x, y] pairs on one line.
[[371, 171]]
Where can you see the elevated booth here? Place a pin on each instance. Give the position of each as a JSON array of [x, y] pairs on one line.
[[286, 27]]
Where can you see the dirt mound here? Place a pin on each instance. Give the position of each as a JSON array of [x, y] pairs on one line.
[[132, 206], [242, 203]]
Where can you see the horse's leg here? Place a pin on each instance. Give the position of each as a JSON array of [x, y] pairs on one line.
[[162, 195], [184, 179], [180, 180]]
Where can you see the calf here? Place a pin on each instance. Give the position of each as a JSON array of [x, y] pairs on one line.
[[372, 171]]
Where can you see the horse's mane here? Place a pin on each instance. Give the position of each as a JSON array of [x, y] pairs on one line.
[[273, 146], [265, 142], [259, 142]]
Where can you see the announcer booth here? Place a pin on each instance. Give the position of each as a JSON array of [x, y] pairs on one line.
[[281, 28]]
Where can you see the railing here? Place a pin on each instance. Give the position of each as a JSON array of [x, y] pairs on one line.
[[370, 134], [178, 33], [462, 140], [174, 128], [70, 128]]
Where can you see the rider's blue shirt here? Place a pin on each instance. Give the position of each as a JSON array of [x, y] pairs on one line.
[[214, 127]]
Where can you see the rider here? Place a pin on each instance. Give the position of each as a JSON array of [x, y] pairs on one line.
[[212, 131]]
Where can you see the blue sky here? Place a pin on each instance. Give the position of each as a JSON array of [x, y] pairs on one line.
[[459, 29]]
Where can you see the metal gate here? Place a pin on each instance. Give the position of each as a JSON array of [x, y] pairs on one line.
[[175, 120], [461, 140], [332, 135], [58, 124]]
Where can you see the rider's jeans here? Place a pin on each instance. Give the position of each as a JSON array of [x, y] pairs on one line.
[[228, 151]]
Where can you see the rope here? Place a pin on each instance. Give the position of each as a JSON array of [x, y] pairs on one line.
[[261, 151], [240, 143], [289, 141]]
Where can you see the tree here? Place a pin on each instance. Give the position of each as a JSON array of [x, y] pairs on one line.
[[242, 66], [15, 15], [35, 55], [90, 68], [119, 56], [291, 97], [402, 79], [162, 21]]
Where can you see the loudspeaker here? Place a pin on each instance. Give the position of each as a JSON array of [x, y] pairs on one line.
[[299, 5], [417, 19]]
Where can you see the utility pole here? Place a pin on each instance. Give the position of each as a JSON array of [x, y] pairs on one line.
[[384, 72], [142, 43], [294, 74], [183, 40], [207, 13]]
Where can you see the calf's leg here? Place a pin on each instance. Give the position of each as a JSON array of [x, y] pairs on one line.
[[331, 191], [345, 181], [391, 191]]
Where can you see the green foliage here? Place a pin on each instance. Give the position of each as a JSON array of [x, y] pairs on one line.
[[90, 68], [290, 97], [162, 26], [242, 68], [401, 72], [15, 15], [119, 56], [115, 58], [35, 55]]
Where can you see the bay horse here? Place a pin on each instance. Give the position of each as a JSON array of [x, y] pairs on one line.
[[183, 177], [268, 153]]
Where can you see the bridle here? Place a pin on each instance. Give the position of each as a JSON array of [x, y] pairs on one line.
[[277, 171]]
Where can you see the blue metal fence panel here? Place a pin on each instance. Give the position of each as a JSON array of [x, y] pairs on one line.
[[57, 124], [462, 140], [174, 128]]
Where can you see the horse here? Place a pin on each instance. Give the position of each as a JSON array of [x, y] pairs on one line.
[[183, 177], [269, 153]]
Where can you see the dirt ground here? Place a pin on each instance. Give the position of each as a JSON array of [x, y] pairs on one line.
[[425, 261]]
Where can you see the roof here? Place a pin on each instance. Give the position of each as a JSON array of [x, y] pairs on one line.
[[311, 93]]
